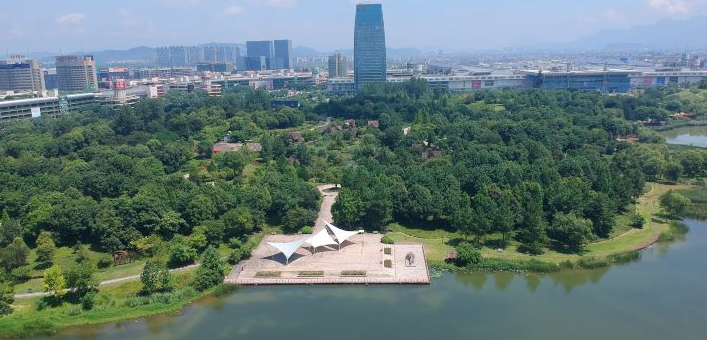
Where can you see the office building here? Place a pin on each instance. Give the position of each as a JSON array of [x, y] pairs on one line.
[[48, 106], [112, 73], [179, 56], [369, 45], [283, 55], [76, 73], [337, 66], [20, 75], [261, 49], [602, 81]]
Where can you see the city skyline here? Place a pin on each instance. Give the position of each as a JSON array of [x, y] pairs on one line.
[[74, 25]]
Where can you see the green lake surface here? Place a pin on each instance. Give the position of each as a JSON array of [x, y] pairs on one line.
[[661, 296]]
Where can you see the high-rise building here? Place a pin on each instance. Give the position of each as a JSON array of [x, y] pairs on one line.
[[369, 45], [180, 56], [337, 66], [76, 73], [283, 55], [21, 75], [265, 49]]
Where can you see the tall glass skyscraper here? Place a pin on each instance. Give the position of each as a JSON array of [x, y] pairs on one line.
[[369, 45], [261, 49], [283, 55]]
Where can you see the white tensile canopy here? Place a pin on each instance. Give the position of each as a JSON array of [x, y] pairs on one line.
[[288, 249], [341, 235], [321, 239]]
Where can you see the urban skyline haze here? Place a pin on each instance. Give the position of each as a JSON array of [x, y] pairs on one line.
[[326, 25]]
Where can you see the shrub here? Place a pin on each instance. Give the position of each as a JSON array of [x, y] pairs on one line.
[[21, 274], [104, 262], [637, 221], [567, 264], [387, 240], [468, 255], [181, 255], [42, 304], [73, 310], [591, 263], [306, 230], [387, 251], [388, 263], [311, 273], [268, 274], [353, 273], [80, 253], [533, 265], [87, 301], [624, 257], [237, 255], [235, 243]]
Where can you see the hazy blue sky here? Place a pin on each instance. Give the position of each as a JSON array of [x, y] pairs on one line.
[[459, 25]]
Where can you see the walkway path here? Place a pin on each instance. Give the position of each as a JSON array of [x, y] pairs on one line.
[[329, 195]]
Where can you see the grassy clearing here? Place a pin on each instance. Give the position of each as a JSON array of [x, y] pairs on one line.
[[111, 305], [438, 243]]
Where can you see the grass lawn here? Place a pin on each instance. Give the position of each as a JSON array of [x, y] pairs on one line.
[[437, 242], [110, 306], [64, 257]]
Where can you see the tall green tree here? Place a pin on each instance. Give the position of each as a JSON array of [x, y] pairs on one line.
[[7, 297], [15, 254], [80, 279], [155, 278], [571, 231], [54, 281], [674, 204], [211, 271], [45, 248]]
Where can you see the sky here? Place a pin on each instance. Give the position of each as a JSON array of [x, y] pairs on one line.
[[325, 25]]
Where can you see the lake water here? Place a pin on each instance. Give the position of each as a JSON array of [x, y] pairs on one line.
[[661, 296], [693, 136]]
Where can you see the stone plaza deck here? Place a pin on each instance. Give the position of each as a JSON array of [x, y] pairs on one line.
[[365, 253]]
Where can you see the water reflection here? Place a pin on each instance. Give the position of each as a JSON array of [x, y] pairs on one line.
[[473, 279], [693, 136]]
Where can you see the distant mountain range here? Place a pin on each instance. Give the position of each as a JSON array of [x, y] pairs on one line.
[[664, 35]]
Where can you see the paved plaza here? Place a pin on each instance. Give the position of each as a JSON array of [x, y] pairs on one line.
[[364, 253]]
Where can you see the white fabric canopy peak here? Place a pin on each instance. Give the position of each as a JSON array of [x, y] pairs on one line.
[[288, 249], [341, 235], [321, 239]]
